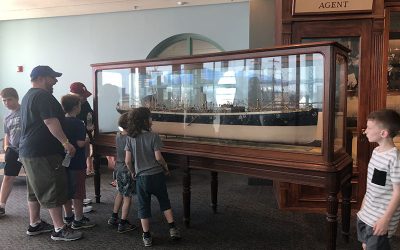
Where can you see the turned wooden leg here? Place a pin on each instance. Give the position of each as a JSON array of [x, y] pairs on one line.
[[96, 178], [346, 210], [331, 217], [214, 191], [186, 196]]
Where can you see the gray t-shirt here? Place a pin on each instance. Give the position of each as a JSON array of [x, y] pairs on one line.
[[120, 141], [142, 148], [12, 128]]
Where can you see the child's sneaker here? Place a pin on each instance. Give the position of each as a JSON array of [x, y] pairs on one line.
[[125, 226], [68, 220], [83, 223], [43, 227], [87, 201], [174, 233], [147, 241], [2, 211], [66, 234], [113, 221]]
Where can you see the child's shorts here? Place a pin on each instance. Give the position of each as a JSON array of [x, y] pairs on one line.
[[125, 183], [13, 166], [148, 185], [365, 234], [76, 183]]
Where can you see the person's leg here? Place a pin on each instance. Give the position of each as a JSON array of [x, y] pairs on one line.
[[169, 215], [68, 208], [6, 187], [126, 205], [117, 203], [56, 217], [145, 225], [78, 208], [34, 212]]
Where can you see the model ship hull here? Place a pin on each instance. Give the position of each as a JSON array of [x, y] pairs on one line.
[[291, 127]]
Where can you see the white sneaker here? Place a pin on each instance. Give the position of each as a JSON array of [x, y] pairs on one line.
[[87, 201], [86, 209]]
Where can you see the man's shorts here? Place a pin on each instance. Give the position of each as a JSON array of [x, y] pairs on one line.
[[46, 180], [125, 183], [12, 166], [76, 183], [365, 234], [148, 185]]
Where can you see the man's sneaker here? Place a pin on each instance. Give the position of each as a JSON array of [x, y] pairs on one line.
[[83, 223], [69, 220], [147, 241], [66, 234], [113, 221], [174, 233], [2, 211], [87, 201], [43, 227], [124, 227]]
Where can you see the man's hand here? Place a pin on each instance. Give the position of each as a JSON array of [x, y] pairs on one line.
[[381, 226], [70, 149]]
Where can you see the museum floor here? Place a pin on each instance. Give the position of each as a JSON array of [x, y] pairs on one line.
[[247, 218]]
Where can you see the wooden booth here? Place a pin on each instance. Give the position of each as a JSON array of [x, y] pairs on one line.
[[277, 113], [371, 29]]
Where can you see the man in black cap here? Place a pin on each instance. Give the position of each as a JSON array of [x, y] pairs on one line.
[[42, 147]]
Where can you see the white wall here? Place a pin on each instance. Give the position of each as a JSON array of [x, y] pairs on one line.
[[70, 44]]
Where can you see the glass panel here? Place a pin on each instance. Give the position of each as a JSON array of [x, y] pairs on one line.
[[393, 71], [268, 102], [340, 94]]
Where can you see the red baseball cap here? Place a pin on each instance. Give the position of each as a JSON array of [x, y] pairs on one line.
[[80, 89]]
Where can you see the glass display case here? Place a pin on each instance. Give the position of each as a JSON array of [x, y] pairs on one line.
[[284, 98], [276, 113]]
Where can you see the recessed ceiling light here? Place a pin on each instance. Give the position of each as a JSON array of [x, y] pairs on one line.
[[181, 3]]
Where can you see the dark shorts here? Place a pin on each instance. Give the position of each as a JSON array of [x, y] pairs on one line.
[[151, 185], [46, 180], [76, 183], [365, 234], [125, 183], [12, 166]]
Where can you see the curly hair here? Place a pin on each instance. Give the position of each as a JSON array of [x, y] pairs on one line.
[[123, 121], [138, 120]]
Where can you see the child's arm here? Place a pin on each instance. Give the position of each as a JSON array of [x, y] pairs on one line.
[[5, 142], [382, 225], [160, 159], [128, 162]]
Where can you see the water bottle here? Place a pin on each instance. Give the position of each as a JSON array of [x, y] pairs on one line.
[[67, 160]]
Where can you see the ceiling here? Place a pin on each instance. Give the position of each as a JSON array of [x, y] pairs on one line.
[[23, 9]]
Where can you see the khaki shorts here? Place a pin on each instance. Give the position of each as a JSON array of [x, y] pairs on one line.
[[46, 180]]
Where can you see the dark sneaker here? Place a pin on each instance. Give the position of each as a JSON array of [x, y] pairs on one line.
[[113, 221], [43, 227], [83, 223], [125, 227], [69, 220], [2, 211], [147, 241], [66, 234], [174, 233]]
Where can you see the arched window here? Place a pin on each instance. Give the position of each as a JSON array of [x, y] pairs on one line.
[[184, 45]]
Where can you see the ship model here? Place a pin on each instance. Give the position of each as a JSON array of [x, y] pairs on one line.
[[232, 122]]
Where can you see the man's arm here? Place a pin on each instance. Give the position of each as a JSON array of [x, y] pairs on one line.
[[5, 141], [53, 124], [382, 225]]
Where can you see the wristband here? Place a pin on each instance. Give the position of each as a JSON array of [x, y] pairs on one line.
[[65, 143]]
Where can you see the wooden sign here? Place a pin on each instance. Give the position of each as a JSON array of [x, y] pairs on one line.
[[301, 7]]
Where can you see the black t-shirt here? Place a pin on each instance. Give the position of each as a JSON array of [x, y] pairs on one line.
[[75, 130], [85, 110], [36, 139]]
